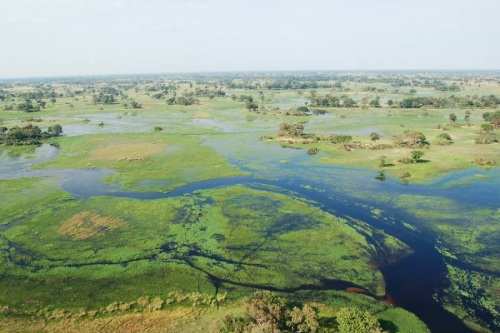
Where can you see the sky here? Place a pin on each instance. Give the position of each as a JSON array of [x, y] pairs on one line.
[[99, 37]]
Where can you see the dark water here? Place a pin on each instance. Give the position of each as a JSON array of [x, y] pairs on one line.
[[411, 282]]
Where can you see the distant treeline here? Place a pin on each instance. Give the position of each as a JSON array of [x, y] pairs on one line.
[[490, 101], [413, 102]]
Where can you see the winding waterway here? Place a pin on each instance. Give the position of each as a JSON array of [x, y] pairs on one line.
[[411, 282]]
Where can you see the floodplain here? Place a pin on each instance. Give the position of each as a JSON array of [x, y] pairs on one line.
[[168, 200]]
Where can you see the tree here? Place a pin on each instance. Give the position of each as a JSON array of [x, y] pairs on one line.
[[467, 116], [251, 106], [56, 129], [452, 117], [444, 136], [375, 102], [342, 139], [416, 155], [409, 139], [492, 118], [348, 102], [486, 128], [381, 163], [135, 105], [231, 324], [266, 311], [303, 320], [444, 139], [486, 138], [27, 107], [293, 130], [303, 109], [374, 136], [353, 320]]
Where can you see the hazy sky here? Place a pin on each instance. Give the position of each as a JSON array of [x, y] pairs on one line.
[[85, 37]]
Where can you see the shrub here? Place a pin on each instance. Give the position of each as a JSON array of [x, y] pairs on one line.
[[484, 161], [444, 136], [312, 151], [405, 174]]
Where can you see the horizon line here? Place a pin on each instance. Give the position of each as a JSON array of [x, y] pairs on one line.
[[68, 76]]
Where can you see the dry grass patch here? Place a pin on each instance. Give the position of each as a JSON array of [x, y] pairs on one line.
[[175, 321], [202, 115], [85, 225], [126, 152]]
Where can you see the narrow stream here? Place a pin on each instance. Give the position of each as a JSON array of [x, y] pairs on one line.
[[411, 282]]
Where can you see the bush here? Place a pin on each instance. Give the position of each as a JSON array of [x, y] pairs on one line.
[[354, 320], [312, 151], [486, 138], [405, 174], [444, 136], [416, 155], [484, 161], [293, 130]]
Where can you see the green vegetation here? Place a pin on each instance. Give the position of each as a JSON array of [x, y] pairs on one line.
[[27, 135], [70, 263], [173, 160], [215, 231]]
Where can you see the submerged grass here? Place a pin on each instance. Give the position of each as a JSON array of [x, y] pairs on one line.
[[175, 160], [75, 255], [22, 197], [72, 254]]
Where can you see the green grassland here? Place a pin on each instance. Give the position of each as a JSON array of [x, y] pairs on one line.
[[62, 256], [175, 160], [22, 197], [182, 316], [235, 234], [438, 159]]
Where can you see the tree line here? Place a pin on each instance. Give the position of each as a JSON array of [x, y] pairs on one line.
[[27, 135], [266, 312]]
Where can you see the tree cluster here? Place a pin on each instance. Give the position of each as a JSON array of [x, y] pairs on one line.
[[490, 101], [331, 101], [103, 99], [27, 135], [182, 100], [266, 312], [410, 139], [492, 118], [291, 130]]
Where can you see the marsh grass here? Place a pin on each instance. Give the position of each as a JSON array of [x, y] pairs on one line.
[[117, 251], [98, 250]]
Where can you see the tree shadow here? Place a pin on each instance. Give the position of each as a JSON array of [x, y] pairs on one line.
[[388, 326], [327, 322]]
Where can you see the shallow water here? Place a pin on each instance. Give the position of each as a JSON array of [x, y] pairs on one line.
[[14, 167], [411, 282]]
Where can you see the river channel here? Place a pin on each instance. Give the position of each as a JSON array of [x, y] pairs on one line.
[[411, 282]]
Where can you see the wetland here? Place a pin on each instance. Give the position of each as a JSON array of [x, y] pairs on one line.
[[172, 199]]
